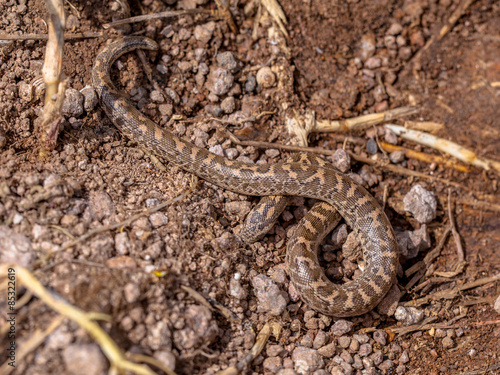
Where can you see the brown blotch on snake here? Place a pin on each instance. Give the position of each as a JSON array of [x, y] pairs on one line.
[[360, 210]]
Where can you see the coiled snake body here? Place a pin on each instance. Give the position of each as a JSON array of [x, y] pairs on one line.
[[360, 210]]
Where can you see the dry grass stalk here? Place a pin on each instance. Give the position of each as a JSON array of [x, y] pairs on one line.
[[451, 148], [422, 156], [52, 72]]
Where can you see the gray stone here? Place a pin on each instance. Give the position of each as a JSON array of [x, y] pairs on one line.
[[84, 359], [271, 298], [15, 248], [73, 103], [421, 203]]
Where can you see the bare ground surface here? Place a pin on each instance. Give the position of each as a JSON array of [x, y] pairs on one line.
[[96, 177]]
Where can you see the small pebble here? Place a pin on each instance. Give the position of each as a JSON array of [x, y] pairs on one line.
[[390, 42], [122, 243], [203, 33], [131, 292], [380, 337], [371, 146], [390, 137], [158, 219], [84, 359], [405, 357], [228, 61], [417, 38], [217, 150], [250, 84], [448, 342], [15, 248], [344, 341], [408, 315], [272, 153], [421, 203], [306, 360], [73, 103], [122, 261], [367, 46], [377, 358], [341, 327], [327, 351], [358, 363], [184, 34], [373, 63], [220, 81], [411, 243], [90, 98], [337, 370], [401, 369], [346, 357], [386, 366], [274, 350], [405, 53], [185, 66], [354, 346], [365, 350], [397, 156], [166, 357], [236, 290], [26, 91], [270, 297], [272, 364], [232, 153], [101, 205], [395, 29], [228, 105], [341, 160], [200, 328], [320, 340]]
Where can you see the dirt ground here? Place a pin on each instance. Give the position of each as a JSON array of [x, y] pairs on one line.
[[342, 60]]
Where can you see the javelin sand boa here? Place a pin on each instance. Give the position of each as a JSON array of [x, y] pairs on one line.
[[355, 204]]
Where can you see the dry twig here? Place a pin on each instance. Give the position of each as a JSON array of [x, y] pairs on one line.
[[154, 16], [83, 319], [302, 127], [458, 242], [425, 126], [453, 292], [431, 255], [52, 72], [422, 156], [274, 9], [443, 145], [66, 36], [228, 314]]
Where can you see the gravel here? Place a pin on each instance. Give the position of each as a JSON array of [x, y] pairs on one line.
[[73, 103], [271, 298], [341, 327], [408, 315], [421, 203], [306, 360]]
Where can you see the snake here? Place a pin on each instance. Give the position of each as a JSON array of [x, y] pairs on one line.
[[333, 190]]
